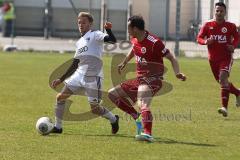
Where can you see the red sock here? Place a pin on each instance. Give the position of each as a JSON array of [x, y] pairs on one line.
[[124, 105], [225, 96], [234, 90], [147, 120]]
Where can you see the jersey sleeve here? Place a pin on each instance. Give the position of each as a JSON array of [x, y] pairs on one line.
[[202, 34], [99, 36], [235, 36], [76, 51], [76, 54], [160, 48]]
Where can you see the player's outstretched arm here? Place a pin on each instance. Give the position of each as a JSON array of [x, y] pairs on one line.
[[68, 73], [122, 65], [175, 66], [110, 38]]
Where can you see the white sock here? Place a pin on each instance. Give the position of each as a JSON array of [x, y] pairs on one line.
[[59, 111], [58, 123], [109, 115]]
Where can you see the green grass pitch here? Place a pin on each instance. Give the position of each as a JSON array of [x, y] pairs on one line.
[[186, 126]]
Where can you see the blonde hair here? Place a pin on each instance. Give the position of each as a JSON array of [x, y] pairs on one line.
[[86, 14]]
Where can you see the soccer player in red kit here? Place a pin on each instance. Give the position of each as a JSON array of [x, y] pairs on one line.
[[221, 38], [149, 52]]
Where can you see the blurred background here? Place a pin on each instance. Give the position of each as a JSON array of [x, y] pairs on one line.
[[171, 20]]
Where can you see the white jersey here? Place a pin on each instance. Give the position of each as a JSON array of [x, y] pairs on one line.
[[89, 51]]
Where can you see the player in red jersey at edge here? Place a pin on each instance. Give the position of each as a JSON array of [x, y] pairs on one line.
[[221, 38], [149, 52]]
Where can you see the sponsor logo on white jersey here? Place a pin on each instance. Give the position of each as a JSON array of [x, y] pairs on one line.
[[83, 49]]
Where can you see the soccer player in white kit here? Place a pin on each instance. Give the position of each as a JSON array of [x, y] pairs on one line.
[[86, 73]]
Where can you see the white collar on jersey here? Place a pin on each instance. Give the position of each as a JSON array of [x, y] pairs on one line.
[[87, 33]]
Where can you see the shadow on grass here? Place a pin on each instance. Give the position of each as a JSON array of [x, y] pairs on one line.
[[50, 135], [231, 119], [102, 135], [157, 139], [171, 141]]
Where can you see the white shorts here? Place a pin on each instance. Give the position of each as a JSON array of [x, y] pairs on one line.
[[91, 85]]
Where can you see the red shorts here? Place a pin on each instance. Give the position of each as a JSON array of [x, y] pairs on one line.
[[223, 65], [131, 86]]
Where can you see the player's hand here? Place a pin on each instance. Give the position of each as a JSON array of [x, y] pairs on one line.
[[181, 76], [230, 48], [55, 83], [108, 25], [209, 41], [121, 66]]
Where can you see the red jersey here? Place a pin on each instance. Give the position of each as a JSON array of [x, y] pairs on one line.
[[224, 34], [149, 55]]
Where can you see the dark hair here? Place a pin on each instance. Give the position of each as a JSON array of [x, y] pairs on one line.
[[137, 21], [221, 4]]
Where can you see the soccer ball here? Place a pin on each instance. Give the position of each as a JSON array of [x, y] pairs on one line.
[[44, 125]]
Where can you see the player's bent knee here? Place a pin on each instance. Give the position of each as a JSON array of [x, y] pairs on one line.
[[145, 107], [95, 109], [112, 94], [144, 101], [61, 97], [144, 91], [223, 82], [112, 91], [144, 104], [223, 76]]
